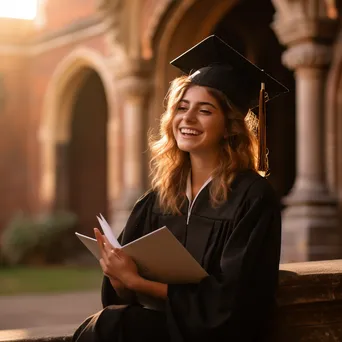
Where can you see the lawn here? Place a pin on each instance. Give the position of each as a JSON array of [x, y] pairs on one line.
[[22, 280]]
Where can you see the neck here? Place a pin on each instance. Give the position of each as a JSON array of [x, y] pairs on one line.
[[202, 168]]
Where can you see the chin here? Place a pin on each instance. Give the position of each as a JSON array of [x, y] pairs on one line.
[[185, 148]]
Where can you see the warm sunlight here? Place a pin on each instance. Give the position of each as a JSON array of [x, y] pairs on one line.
[[20, 9]]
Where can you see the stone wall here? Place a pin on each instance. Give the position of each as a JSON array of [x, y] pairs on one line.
[[14, 108], [309, 307], [310, 302]]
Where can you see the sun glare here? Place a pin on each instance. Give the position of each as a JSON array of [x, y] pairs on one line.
[[19, 9]]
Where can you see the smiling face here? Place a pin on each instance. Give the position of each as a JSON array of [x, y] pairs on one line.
[[199, 123]]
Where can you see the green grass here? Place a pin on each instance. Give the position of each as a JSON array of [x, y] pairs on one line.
[[22, 280]]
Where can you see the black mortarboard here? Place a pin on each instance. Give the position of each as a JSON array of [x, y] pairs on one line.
[[213, 63]]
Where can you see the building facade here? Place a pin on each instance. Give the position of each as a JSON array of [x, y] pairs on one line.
[[82, 84]]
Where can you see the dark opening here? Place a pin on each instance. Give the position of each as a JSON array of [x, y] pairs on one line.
[[247, 29], [87, 154]]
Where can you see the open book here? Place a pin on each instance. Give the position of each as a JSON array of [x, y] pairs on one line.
[[158, 255]]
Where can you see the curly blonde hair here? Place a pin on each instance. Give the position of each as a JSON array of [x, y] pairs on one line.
[[170, 165]]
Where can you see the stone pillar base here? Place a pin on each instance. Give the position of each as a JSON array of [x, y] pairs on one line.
[[310, 233]]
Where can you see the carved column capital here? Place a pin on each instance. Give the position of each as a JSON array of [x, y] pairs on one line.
[[112, 14], [307, 55], [111, 11], [300, 20], [134, 78]]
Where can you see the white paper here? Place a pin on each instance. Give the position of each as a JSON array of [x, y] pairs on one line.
[[108, 232], [91, 244], [159, 257]]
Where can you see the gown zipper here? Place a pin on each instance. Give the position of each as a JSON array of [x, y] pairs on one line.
[[188, 194]]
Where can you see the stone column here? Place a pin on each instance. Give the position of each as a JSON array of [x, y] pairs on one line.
[[132, 76], [133, 82], [113, 156], [310, 224]]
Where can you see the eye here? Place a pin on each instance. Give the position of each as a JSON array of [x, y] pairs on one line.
[[205, 111], [181, 109]]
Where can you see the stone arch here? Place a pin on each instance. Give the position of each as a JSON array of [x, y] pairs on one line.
[[161, 8], [168, 41], [57, 112]]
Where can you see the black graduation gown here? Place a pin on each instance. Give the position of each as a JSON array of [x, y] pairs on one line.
[[239, 246]]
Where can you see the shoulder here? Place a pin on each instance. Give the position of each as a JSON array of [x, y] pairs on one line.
[[135, 223], [254, 186], [145, 199]]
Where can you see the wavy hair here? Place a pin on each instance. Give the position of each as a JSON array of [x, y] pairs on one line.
[[170, 165]]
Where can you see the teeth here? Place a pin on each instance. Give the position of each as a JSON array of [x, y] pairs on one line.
[[190, 131]]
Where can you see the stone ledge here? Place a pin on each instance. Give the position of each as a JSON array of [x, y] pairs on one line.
[[61, 333], [312, 267], [310, 282], [309, 308]]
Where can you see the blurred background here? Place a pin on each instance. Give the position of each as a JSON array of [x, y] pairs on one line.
[[82, 82]]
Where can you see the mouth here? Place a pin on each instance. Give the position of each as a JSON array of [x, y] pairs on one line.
[[190, 132]]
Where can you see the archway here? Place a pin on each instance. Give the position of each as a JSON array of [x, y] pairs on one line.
[[71, 126], [86, 155], [235, 22]]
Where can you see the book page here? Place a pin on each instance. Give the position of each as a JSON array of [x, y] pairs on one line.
[[107, 230]]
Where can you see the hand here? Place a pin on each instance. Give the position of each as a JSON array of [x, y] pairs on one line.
[[116, 264], [117, 284], [122, 291], [122, 271]]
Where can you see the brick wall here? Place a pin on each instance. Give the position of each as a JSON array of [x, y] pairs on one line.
[[14, 113], [60, 13], [25, 76]]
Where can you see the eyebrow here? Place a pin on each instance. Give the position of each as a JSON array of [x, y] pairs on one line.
[[200, 103]]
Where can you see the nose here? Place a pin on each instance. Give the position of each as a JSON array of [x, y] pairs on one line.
[[190, 115]]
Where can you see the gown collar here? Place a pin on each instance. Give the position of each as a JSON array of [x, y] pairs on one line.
[[189, 189]]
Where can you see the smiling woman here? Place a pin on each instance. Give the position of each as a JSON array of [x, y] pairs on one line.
[[207, 191], [19, 9]]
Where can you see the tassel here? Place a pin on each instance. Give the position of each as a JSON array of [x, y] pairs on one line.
[[262, 152]]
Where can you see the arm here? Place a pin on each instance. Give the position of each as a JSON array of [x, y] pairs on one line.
[[148, 288], [127, 295]]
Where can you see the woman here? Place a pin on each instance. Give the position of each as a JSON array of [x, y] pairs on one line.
[[207, 191]]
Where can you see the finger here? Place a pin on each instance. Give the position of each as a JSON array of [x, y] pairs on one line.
[[99, 236], [120, 253], [110, 250], [107, 245], [103, 266], [100, 242], [109, 254]]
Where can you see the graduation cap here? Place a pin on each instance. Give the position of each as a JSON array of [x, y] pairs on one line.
[[213, 63]]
